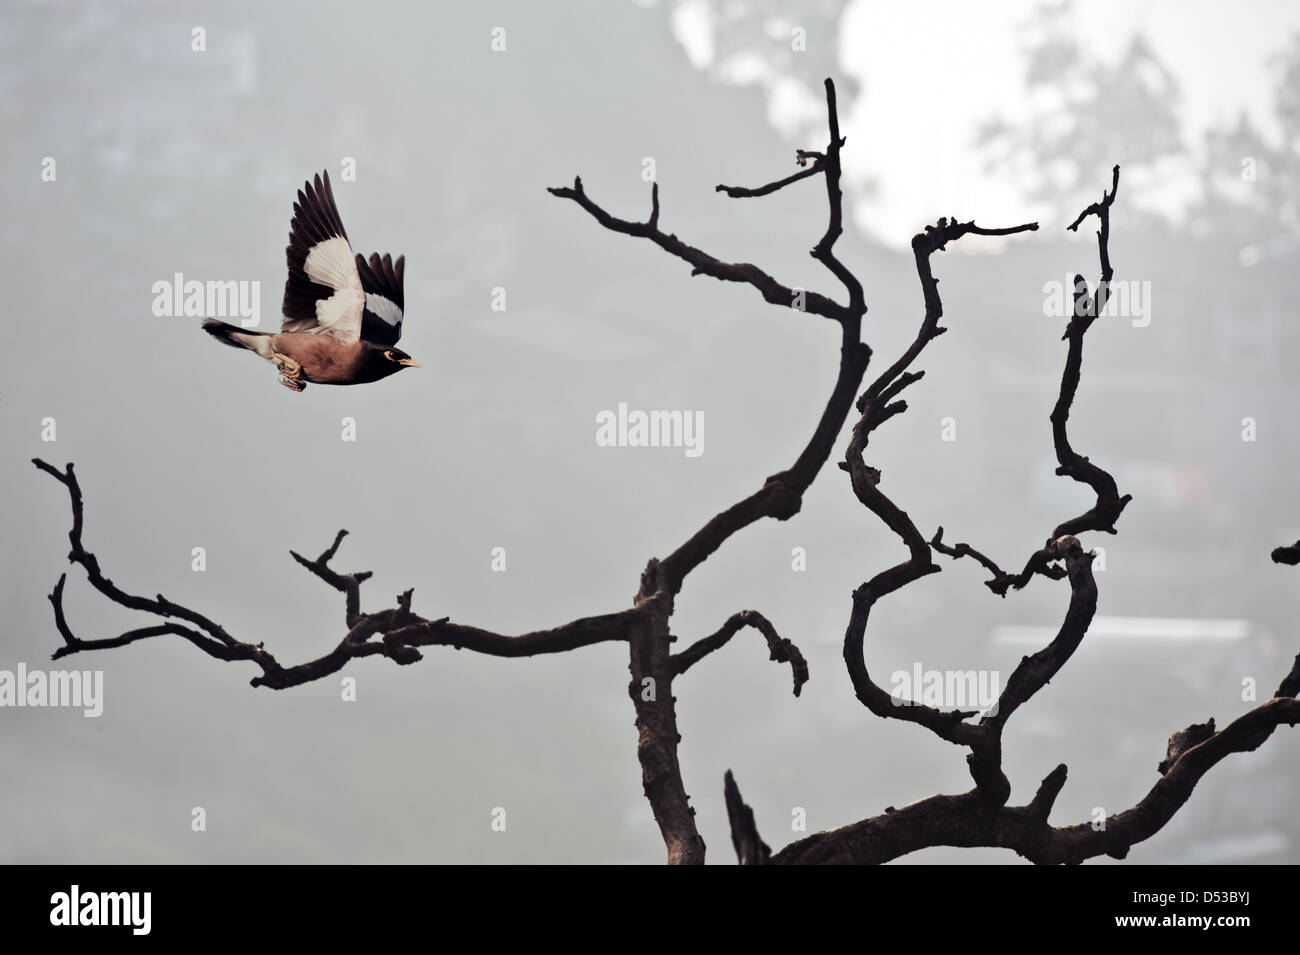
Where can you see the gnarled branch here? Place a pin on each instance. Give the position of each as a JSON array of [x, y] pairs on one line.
[[401, 631], [781, 649]]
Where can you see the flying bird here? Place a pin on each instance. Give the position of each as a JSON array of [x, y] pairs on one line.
[[342, 314]]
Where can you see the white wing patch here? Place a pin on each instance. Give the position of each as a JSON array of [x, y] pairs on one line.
[[383, 307], [342, 312], [331, 263]]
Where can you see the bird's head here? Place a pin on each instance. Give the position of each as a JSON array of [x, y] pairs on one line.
[[399, 357], [383, 360]]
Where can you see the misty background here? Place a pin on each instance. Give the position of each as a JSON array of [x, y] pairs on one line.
[[171, 160]]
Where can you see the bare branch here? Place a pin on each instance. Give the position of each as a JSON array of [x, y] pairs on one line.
[[1040, 807], [347, 584], [1099, 209], [1001, 580], [1103, 515], [741, 192], [702, 263], [823, 252], [780, 497], [877, 405], [970, 820], [159, 605], [1287, 554], [772, 291], [750, 848], [73, 643], [782, 650], [1035, 671], [402, 631], [401, 640]]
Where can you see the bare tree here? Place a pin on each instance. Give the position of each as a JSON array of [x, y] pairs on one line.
[[979, 817]]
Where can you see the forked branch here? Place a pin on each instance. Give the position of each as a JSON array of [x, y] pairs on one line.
[[399, 631]]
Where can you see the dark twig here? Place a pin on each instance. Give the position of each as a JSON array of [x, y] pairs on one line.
[[1287, 554], [1036, 670], [347, 584], [1040, 807], [1001, 579], [1109, 503], [741, 192], [701, 262], [781, 649], [750, 848]]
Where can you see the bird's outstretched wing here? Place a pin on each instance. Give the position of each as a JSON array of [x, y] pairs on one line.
[[381, 280], [323, 294]]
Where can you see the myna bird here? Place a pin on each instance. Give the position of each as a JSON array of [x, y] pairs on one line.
[[342, 315]]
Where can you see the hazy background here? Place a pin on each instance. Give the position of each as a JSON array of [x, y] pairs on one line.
[[170, 160]]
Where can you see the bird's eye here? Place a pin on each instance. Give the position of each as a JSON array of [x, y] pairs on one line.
[[389, 355]]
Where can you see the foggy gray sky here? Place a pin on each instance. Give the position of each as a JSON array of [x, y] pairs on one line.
[[171, 160]]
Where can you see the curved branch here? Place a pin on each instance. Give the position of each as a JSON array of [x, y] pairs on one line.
[[967, 820], [401, 631], [1110, 504], [158, 605], [781, 649], [74, 644], [878, 404], [1036, 671], [702, 263], [781, 496]]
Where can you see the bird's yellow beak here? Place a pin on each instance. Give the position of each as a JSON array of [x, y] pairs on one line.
[[409, 361]]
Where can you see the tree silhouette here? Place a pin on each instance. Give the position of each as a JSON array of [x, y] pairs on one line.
[[978, 817], [1079, 112], [1249, 182]]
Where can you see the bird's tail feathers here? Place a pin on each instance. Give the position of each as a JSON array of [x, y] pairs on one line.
[[236, 337]]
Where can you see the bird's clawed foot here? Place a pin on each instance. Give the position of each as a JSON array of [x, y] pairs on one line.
[[291, 370]]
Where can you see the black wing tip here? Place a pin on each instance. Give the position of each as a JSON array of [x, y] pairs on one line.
[[383, 275], [315, 214]]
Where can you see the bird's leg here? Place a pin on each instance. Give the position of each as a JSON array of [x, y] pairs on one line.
[[291, 370], [286, 365]]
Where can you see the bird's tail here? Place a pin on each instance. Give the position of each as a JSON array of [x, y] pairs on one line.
[[236, 337]]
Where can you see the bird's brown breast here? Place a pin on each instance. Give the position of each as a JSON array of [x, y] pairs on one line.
[[325, 360]]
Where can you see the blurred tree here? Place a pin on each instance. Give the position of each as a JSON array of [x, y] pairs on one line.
[[1082, 113]]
